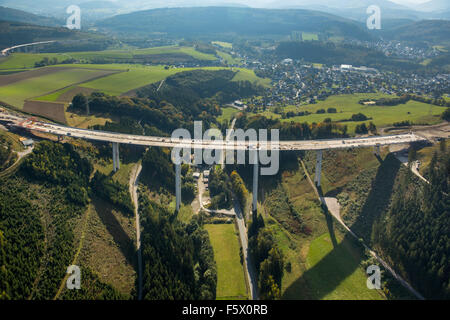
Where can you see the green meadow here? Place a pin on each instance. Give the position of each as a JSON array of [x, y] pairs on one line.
[[227, 114], [249, 75], [228, 58], [226, 45], [95, 76], [307, 36], [347, 105], [331, 270], [16, 93], [21, 61], [230, 273]]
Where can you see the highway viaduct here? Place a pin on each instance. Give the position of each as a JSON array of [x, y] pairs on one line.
[[302, 145]]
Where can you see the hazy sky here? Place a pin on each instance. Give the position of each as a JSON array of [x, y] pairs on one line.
[[406, 2]]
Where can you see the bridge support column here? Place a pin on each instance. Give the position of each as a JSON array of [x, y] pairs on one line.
[[178, 186], [255, 182], [377, 150], [116, 158], [318, 168]]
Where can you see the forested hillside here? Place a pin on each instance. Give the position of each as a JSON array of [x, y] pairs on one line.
[[231, 22], [430, 31], [405, 219], [14, 15], [13, 33], [193, 91], [178, 259], [36, 208]]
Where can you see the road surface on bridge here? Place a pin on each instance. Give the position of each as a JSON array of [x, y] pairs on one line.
[[96, 135]]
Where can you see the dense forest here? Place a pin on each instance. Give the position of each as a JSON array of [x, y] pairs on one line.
[[36, 207], [93, 289], [414, 233], [178, 259], [112, 191], [268, 259], [163, 117], [220, 189]]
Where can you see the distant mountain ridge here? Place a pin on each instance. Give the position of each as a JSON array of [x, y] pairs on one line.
[[195, 21], [432, 31], [434, 5]]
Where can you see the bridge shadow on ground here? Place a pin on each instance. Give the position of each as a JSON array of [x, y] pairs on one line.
[[329, 220], [327, 274], [346, 256], [379, 197], [121, 238]]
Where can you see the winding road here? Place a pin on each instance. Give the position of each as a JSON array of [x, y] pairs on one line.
[[134, 176]]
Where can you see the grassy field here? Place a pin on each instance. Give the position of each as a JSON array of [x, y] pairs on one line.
[[75, 120], [228, 58], [52, 83], [347, 105], [134, 77], [332, 271], [122, 175], [227, 114], [226, 45], [28, 60], [325, 262], [24, 61], [230, 274], [186, 213], [16, 93], [249, 75], [307, 36]]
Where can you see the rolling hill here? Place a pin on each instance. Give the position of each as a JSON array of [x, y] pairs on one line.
[[14, 15], [231, 21], [13, 33], [431, 31]]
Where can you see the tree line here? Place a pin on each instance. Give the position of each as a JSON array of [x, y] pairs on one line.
[[267, 257], [178, 259]]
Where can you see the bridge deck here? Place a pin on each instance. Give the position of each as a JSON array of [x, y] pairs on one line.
[[206, 144]]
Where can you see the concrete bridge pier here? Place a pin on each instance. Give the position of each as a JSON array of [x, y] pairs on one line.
[[318, 168], [377, 150], [178, 186], [116, 158], [255, 182]]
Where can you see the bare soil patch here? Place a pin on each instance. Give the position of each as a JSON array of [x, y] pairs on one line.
[[49, 110]]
